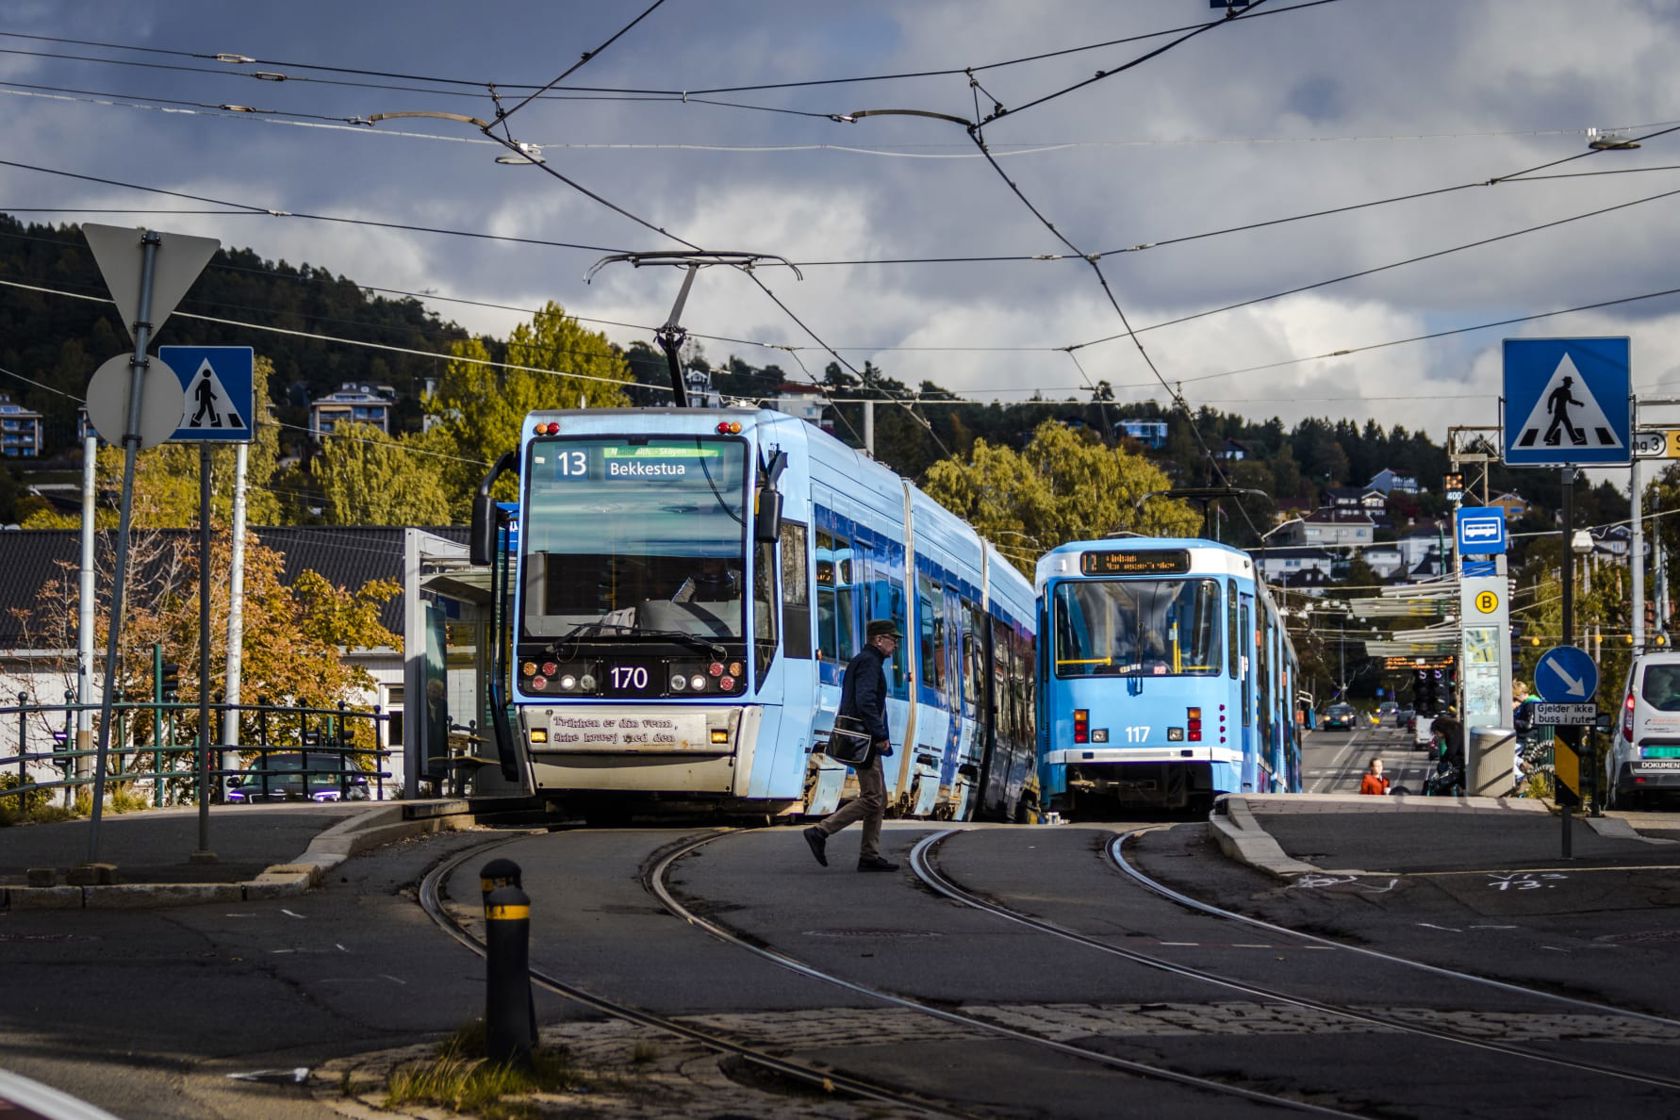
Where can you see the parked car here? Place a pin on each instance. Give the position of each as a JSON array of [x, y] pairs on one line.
[[1644, 757], [297, 776], [1340, 717]]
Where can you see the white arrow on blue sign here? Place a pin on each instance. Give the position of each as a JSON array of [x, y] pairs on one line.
[[1565, 675], [219, 398]]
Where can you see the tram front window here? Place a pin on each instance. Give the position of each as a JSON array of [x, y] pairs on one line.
[[1168, 627], [624, 538]]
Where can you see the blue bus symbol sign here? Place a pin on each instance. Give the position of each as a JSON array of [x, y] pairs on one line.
[[1481, 531]]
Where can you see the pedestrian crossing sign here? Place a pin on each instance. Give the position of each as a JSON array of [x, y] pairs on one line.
[[219, 400], [1567, 402]]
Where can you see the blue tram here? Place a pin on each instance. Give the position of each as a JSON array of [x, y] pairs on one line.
[[1166, 676], [688, 585]]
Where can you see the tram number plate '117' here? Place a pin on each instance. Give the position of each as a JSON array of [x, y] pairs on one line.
[[632, 678]]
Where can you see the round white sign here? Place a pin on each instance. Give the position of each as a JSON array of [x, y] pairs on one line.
[[162, 401]]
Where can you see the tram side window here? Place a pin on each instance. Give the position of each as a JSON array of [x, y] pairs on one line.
[[1000, 681], [898, 674], [835, 627], [796, 592], [974, 659], [930, 625], [765, 636], [1231, 625]]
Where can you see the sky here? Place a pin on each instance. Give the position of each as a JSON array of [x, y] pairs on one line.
[[1211, 153]]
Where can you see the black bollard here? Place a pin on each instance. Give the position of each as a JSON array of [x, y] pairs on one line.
[[499, 873], [509, 1033], [505, 873]]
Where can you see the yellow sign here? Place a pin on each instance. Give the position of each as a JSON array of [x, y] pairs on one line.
[[1487, 602], [1567, 765]]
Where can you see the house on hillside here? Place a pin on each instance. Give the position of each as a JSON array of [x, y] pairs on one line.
[[1422, 541], [1232, 450], [1279, 564], [1351, 498], [20, 430], [1514, 505], [1387, 481], [1386, 560], [1151, 433], [1327, 528], [352, 404]]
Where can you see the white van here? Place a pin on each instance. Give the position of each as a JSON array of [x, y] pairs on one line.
[[1644, 758]]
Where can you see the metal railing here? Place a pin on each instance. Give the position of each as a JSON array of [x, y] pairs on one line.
[[154, 746]]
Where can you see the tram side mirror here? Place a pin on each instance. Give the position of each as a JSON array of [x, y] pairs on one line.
[[767, 523], [483, 539]]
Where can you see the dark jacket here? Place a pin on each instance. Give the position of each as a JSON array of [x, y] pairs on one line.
[[863, 692]]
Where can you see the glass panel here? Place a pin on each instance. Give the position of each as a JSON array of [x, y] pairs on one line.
[[796, 592], [621, 536], [1661, 687], [765, 638], [1155, 627]]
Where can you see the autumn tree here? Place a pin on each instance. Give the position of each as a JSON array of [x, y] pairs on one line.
[[368, 478], [1064, 485], [551, 363]]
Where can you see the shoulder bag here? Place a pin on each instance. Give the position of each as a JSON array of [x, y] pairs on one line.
[[849, 742]]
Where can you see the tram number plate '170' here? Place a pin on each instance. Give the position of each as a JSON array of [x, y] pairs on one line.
[[632, 678]]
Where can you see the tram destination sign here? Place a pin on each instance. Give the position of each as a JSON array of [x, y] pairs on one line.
[[1135, 562]]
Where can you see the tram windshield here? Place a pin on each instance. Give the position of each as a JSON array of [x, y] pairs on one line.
[[1167, 627], [634, 539]]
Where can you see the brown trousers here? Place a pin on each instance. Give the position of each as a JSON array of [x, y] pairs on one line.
[[869, 806]]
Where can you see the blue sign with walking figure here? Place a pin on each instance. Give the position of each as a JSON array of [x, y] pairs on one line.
[[1566, 675], [1568, 402], [218, 383]]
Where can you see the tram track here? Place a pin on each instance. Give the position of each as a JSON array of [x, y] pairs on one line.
[[924, 863], [432, 893], [657, 882]]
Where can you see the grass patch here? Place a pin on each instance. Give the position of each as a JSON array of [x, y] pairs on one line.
[[460, 1078]]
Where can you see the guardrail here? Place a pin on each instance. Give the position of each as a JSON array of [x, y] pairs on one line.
[[154, 746]]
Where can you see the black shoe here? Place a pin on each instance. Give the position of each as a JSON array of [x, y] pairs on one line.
[[819, 844], [876, 863]]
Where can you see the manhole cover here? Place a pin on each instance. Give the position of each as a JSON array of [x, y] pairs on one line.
[[871, 933]]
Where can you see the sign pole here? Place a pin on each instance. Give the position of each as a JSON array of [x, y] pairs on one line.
[[1569, 737], [137, 365], [203, 854]]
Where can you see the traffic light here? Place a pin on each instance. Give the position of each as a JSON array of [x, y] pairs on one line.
[[169, 683]]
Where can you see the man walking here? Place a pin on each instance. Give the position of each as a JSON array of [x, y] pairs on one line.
[[863, 694]]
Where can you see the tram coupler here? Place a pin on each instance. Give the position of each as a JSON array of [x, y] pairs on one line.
[[509, 1023]]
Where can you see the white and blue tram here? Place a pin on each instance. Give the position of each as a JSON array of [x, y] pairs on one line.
[[1166, 676], [687, 587]]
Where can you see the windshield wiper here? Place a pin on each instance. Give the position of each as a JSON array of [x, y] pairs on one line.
[[681, 637]]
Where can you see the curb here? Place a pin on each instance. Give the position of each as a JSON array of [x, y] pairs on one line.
[[1242, 839], [351, 836]]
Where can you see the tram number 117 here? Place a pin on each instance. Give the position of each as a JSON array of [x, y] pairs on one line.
[[1137, 734]]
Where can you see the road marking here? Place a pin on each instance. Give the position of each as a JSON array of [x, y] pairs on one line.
[[291, 914]]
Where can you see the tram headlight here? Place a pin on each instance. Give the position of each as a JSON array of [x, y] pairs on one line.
[[678, 682], [567, 683], [715, 668], [697, 682], [727, 684], [550, 668], [587, 683], [538, 683]]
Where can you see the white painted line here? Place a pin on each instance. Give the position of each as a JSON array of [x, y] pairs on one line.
[[45, 1101], [1249, 945], [1185, 944], [394, 979], [291, 914], [1432, 925]]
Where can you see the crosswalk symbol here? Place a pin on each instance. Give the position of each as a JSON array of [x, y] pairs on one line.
[[1566, 415], [208, 404]]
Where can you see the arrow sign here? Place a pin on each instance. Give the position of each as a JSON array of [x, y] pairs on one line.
[[1565, 674], [179, 261]]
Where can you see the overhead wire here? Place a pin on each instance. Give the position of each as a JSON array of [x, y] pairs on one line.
[[501, 117]]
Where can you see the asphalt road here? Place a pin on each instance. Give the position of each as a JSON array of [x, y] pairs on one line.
[[1332, 761], [171, 1013]]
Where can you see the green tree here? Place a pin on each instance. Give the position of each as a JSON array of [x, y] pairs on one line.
[[1064, 485], [481, 408], [368, 478]]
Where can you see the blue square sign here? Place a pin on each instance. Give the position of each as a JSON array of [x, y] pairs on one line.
[[1480, 530], [1568, 402], [217, 382]]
